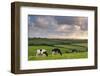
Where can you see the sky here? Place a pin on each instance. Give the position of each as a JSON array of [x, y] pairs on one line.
[[60, 27]]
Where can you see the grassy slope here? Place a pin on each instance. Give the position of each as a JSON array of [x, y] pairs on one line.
[[64, 45], [64, 56]]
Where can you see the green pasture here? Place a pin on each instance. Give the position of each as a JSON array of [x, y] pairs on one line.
[[64, 56], [65, 45]]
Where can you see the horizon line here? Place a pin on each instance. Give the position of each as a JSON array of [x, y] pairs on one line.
[[60, 38]]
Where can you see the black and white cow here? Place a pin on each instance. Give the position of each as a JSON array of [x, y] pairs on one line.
[[41, 52], [56, 51]]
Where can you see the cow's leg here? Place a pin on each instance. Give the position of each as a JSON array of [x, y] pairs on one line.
[[46, 53], [53, 52], [37, 54]]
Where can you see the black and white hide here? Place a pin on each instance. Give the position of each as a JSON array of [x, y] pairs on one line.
[[41, 52], [56, 51]]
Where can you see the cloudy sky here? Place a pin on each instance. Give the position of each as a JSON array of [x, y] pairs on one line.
[[62, 27]]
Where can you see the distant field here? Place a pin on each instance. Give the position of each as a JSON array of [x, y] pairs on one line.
[[65, 45]]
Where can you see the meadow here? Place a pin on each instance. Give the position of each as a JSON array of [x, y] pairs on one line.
[[65, 45]]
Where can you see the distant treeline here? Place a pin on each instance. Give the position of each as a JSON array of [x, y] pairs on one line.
[[51, 42]]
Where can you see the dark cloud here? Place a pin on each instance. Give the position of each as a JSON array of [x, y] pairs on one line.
[[57, 26], [80, 21]]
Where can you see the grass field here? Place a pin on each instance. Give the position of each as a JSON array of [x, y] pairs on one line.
[[65, 45]]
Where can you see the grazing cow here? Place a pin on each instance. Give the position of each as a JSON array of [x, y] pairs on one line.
[[56, 51], [74, 50], [41, 52]]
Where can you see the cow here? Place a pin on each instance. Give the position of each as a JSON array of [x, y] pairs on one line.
[[56, 51], [41, 52], [74, 50]]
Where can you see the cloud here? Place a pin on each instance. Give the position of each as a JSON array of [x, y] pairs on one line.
[[57, 26], [45, 22], [68, 28]]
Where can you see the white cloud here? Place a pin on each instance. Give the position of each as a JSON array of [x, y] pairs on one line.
[[45, 22], [75, 35], [68, 28], [49, 27]]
